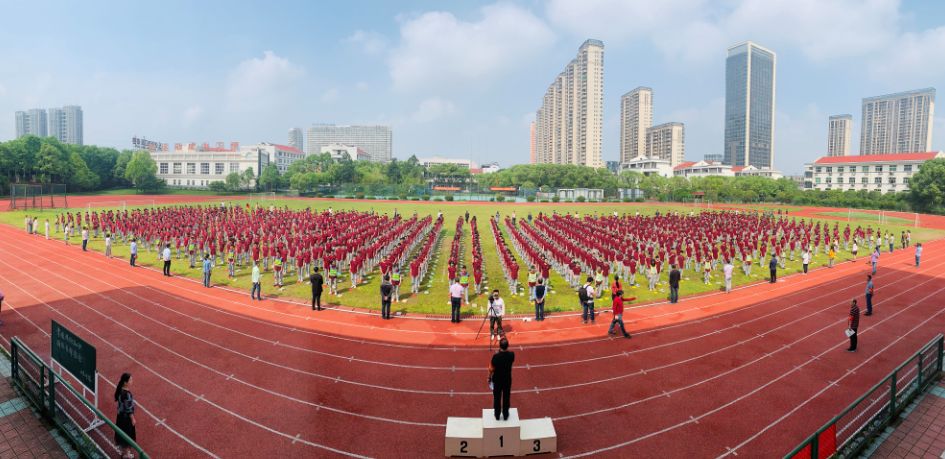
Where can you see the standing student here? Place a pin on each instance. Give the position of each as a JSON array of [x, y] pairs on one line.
[[332, 279], [616, 293], [277, 271], [108, 245], [500, 375], [496, 312], [707, 269], [674, 277], [773, 267], [805, 258], [532, 282], [207, 268], [166, 256], [853, 323], [586, 297], [125, 420], [395, 280], [47, 229], [456, 300], [540, 291], [869, 295], [874, 259], [387, 291], [727, 270], [85, 238], [256, 277], [317, 282], [918, 254], [134, 251], [830, 257]]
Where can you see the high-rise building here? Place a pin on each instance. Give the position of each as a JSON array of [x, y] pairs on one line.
[[749, 106], [897, 123], [531, 143], [375, 140], [636, 116], [65, 124], [31, 122], [295, 138], [839, 135], [666, 141], [569, 124]]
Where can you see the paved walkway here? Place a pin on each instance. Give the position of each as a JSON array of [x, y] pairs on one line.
[[23, 434], [921, 434]]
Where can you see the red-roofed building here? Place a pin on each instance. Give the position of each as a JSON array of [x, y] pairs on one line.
[[702, 169], [883, 173], [280, 155]]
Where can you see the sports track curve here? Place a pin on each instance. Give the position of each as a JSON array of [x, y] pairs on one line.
[[651, 400]]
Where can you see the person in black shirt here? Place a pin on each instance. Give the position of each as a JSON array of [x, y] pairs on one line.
[[540, 301], [126, 415], [317, 282], [674, 276], [773, 266], [387, 289], [500, 374]]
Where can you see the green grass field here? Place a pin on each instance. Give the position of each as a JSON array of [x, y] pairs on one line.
[[870, 218], [433, 297]]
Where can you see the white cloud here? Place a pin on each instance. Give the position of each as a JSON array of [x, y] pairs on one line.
[[433, 109], [261, 82], [437, 48], [330, 95], [915, 59], [369, 42]]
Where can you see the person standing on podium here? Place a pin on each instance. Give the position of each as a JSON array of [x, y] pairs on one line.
[[500, 378]]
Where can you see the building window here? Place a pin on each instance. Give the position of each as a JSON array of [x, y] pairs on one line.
[[204, 168], [177, 168], [892, 180], [829, 170], [191, 168], [851, 181], [878, 169], [907, 168], [818, 180], [865, 169], [829, 179], [892, 168], [905, 181], [818, 169], [218, 168], [162, 169], [878, 180], [840, 169], [234, 167]]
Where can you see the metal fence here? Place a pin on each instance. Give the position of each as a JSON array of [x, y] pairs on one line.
[[57, 400], [851, 431]]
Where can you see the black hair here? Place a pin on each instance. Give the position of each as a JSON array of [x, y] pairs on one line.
[[121, 384], [504, 344]]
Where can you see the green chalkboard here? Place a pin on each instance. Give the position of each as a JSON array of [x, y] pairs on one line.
[[74, 355]]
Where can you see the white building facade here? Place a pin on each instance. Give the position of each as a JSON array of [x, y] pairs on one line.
[[295, 138], [636, 116], [839, 135], [703, 169], [281, 155], [883, 173], [374, 140], [648, 166], [192, 167], [667, 141], [897, 123]]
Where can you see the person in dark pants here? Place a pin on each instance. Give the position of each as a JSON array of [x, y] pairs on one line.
[[773, 266], [317, 282], [586, 297], [166, 256], [540, 300], [456, 300], [853, 323], [134, 251], [387, 290], [126, 415], [256, 292], [869, 295], [674, 277], [207, 268], [500, 375]]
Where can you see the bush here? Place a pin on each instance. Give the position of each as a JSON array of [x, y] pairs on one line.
[[544, 200], [555, 199], [581, 199], [499, 198], [530, 199], [627, 200], [438, 199], [425, 197], [217, 187], [359, 195], [449, 197], [403, 197], [638, 200]]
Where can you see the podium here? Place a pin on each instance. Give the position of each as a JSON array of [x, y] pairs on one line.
[[488, 437]]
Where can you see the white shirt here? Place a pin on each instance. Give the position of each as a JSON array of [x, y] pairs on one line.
[[167, 254], [727, 269], [590, 291], [456, 290], [108, 241], [497, 309], [806, 257], [85, 235]]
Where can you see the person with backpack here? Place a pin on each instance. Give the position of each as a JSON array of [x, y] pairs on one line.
[[586, 296], [616, 293], [387, 290]]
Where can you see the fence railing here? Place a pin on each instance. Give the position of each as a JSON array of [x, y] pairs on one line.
[[847, 434], [84, 424]]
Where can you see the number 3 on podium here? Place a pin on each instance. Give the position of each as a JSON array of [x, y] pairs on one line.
[[537, 447]]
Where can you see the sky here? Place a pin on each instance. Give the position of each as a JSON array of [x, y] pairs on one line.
[[454, 79]]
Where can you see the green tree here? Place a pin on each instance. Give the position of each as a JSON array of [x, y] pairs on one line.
[[141, 171], [233, 182], [121, 163], [52, 164], [269, 178], [247, 178], [927, 187]]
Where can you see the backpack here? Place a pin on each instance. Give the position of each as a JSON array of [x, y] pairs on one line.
[[582, 294]]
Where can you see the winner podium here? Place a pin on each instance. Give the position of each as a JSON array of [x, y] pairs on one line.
[[487, 437]]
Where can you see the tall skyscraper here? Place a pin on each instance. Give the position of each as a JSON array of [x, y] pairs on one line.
[[749, 106], [375, 140], [839, 135], [569, 124], [31, 122], [295, 138], [531, 143], [666, 141], [636, 116], [65, 124], [897, 123]]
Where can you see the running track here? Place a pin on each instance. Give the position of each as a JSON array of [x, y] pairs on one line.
[[751, 373]]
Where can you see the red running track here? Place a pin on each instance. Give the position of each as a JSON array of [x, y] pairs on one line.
[[751, 373]]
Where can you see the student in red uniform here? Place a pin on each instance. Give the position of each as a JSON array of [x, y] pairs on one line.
[[616, 292]]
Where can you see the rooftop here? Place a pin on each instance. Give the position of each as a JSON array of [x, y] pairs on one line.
[[878, 158]]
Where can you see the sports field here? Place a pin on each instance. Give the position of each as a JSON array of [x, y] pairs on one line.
[[433, 296]]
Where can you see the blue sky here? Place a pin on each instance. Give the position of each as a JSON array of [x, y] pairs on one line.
[[457, 79]]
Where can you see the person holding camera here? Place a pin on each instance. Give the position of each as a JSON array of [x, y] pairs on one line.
[[500, 379], [496, 311]]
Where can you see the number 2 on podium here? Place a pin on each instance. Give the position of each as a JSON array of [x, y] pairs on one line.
[[462, 447]]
